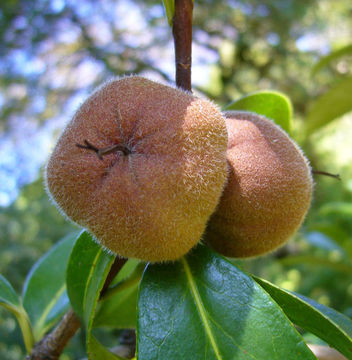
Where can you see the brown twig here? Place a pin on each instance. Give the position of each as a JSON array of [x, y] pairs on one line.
[[318, 172], [51, 346], [182, 33], [114, 270]]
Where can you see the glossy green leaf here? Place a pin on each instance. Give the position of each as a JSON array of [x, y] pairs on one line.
[[11, 301], [169, 9], [272, 104], [44, 293], [118, 308], [331, 105], [326, 60], [203, 307], [326, 323], [87, 269]]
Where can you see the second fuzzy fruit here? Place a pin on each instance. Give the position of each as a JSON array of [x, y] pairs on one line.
[[268, 192]]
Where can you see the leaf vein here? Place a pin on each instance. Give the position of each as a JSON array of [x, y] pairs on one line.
[[201, 309]]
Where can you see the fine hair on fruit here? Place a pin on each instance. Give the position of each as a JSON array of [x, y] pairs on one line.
[[141, 166], [268, 192]]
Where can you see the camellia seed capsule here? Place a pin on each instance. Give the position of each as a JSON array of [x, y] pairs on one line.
[[268, 192], [142, 166]]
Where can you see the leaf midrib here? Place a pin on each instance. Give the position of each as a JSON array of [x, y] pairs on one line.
[[201, 309], [89, 279], [39, 326]]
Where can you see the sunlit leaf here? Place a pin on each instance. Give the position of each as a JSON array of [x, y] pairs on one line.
[[331, 105], [169, 9], [316, 261], [340, 208], [44, 294], [326, 323], [87, 269], [11, 301], [271, 104], [203, 307], [326, 60]]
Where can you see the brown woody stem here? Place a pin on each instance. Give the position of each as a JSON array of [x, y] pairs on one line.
[[51, 346], [182, 33]]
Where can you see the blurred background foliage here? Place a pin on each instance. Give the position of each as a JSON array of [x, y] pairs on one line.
[[54, 52]]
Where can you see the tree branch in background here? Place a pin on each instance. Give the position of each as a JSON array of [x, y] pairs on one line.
[[52, 345], [182, 33]]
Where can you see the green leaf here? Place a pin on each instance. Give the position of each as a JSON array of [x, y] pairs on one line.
[[331, 326], [87, 269], [271, 104], [169, 9], [11, 301], [337, 207], [118, 307], [97, 351], [315, 260], [330, 106], [120, 311], [44, 292], [86, 266], [8, 296], [203, 307], [325, 60], [127, 270]]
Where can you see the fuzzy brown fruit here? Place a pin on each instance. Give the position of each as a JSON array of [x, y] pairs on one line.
[[150, 192], [268, 191]]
